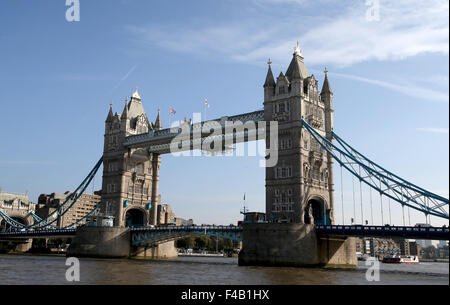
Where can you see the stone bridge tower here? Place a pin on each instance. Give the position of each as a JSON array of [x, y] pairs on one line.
[[299, 189], [130, 176]]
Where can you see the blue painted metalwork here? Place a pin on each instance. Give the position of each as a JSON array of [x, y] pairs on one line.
[[126, 203], [61, 210], [433, 233], [84, 217], [403, 192], [38, 233], [37, 218], [154, 235], [148, 207]]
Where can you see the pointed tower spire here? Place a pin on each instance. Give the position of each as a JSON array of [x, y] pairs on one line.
[[158, 124], [125, 110], [110, 114], [136, 95], [297, 68], [270, 81], [326, 85]]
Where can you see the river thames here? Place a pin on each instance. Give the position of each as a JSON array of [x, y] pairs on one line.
[[51, 270]]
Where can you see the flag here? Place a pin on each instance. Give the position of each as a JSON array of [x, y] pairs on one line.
[[206, 103], [244, 196], [172, 110]]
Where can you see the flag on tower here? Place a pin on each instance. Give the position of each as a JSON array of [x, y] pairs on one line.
[[172, 110], [244, 196], [206, 103]]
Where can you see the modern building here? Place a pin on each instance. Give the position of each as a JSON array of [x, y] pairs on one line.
[[183, 222], [48, 203], [424, 242], [442, 243], [405, 247]]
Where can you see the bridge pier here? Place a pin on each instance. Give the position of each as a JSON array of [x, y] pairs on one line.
[[115, 242], [294, 245], [164, 251], [14, 246]]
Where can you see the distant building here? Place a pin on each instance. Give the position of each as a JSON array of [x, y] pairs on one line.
[[442, 243], [404, 246], [165, 214], [47, 204], [414, 248], [424, 242], [183, 222]]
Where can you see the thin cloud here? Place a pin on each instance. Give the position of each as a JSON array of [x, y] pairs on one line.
[[406, 28], [413, 91], [434, 130]]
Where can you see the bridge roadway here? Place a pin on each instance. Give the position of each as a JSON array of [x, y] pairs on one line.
[[157, 234]]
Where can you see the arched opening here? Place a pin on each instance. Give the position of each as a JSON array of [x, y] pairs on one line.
[[316, 212], [4, 226], [134, 218]]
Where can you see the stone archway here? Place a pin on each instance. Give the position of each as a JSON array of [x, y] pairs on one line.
[[4, 226], [135, 218], [316, 212]]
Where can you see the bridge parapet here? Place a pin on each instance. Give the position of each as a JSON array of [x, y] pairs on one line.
[[166, 135], [155, 235], [433, 233]]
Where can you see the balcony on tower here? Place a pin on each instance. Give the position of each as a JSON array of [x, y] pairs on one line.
[[315, 120]]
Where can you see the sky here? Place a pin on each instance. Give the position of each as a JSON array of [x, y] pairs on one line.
[[389, 76]]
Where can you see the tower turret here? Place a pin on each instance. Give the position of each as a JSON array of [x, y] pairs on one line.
[[158, 124], [269, 84], [110, 114], [326, 96]]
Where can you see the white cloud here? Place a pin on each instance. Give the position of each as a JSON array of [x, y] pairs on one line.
[[406, 28], [409, 90], [434, 130]]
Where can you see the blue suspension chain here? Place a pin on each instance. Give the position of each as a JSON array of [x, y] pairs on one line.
[[383, 177]]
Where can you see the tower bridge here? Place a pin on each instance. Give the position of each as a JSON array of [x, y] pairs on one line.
[[301, 151]]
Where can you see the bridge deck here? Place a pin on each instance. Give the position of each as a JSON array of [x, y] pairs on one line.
[[434, 233]]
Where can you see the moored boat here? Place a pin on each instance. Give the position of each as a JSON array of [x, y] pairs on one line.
[[400, 260]]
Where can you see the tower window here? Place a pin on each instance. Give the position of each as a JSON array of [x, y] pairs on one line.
[[281, 90]]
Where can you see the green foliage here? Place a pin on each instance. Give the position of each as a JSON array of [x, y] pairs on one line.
[[204, 242]]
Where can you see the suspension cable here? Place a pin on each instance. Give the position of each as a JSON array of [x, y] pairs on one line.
[[342, 194], [385, 177], [403, 212], [371, 205], [354, 202], [381, 203], [390, 216], [361, 197], [409, 216]]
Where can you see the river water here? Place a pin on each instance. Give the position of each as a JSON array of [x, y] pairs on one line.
[[205, 271]]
